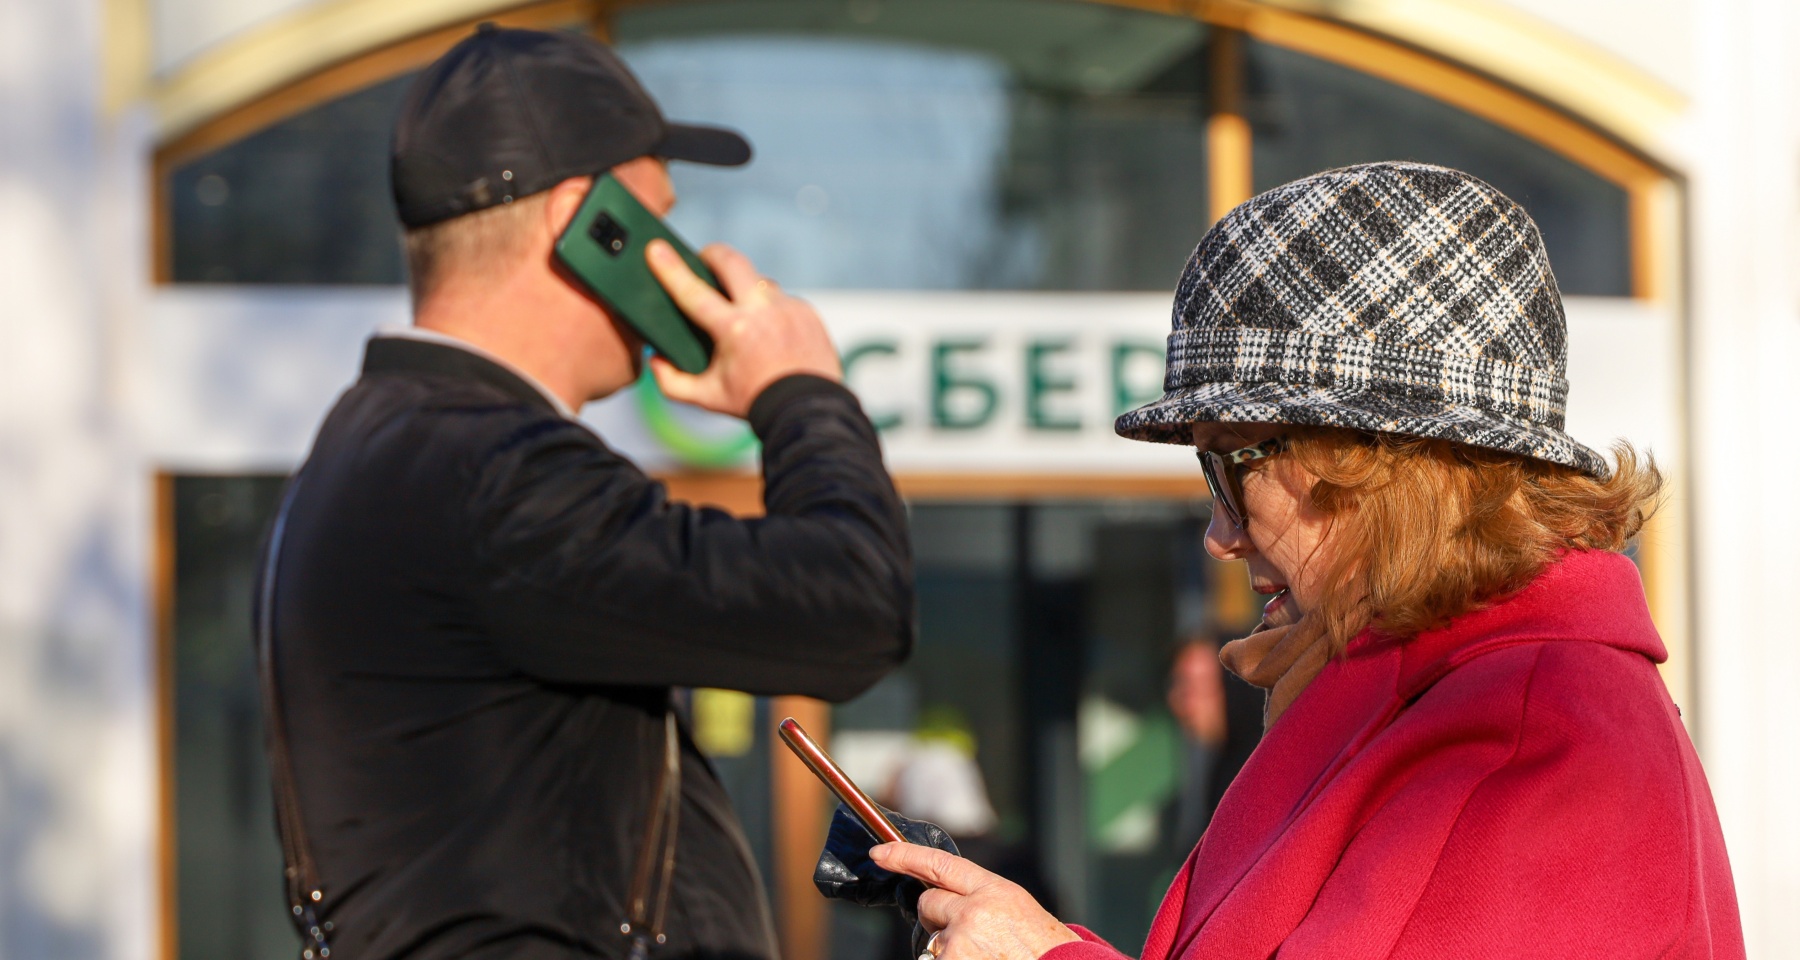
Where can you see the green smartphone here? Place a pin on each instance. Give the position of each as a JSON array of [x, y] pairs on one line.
[[604, 248]]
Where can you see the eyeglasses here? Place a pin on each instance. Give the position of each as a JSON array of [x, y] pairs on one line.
[[1224, 474]]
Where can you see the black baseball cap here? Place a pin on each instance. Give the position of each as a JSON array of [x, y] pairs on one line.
[[508, 113]]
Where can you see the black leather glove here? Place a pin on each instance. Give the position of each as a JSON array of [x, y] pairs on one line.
[[845, 871]]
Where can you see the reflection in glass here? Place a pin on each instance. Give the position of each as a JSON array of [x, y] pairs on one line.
[[1309, 115], [304, 201], [975, 144], [911, 144], [229, 889]]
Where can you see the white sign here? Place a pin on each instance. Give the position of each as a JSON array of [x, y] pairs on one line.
[[958, 382], [236, 379]]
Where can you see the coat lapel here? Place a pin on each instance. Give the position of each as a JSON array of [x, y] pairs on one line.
[[1168, 920]]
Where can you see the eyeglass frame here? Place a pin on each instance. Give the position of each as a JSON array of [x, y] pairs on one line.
[[1224, 475]]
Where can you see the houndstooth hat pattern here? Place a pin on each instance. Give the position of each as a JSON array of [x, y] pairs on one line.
[[1392, 297]]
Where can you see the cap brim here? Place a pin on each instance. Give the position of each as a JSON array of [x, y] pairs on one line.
[[697, 144], [1170, 419]]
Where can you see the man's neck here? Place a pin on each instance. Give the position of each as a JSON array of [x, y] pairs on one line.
[[432, 336], [511, 331]]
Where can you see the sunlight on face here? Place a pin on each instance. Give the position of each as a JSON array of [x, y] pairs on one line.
[[1284, 548]]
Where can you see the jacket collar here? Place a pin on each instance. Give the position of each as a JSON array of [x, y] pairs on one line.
[[1587, 595], [403, 354]]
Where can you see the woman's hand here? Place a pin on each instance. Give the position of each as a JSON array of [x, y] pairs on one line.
[[981, 915]]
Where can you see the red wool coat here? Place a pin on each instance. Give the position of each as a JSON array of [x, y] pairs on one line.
[[1517, 784]]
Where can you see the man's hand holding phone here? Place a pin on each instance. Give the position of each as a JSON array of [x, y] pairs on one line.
[[760, 334]]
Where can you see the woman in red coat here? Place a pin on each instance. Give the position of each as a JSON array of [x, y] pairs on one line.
[[1469, 751]]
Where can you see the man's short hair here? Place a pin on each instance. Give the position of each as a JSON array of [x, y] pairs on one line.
[[485, 242]]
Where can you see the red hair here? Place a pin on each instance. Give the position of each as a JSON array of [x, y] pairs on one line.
[[1424, 530]]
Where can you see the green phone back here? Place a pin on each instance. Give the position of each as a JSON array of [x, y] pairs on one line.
[[604, 248]]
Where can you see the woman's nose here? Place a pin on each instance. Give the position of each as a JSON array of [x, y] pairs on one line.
[[1226, 540]]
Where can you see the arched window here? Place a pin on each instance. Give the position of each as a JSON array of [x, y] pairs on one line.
[[967, 145]]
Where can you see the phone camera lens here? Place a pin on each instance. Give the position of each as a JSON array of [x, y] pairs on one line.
[[608, 234]]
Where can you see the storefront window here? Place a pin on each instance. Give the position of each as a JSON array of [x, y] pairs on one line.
[[968, 145], [1308, 115], [912, 144], [305, 201], [962, 145], [229, 892]]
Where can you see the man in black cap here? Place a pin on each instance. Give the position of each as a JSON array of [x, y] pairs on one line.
[[473, 611]]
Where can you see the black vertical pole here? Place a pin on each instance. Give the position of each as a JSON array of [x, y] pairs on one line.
[[1050, 622]]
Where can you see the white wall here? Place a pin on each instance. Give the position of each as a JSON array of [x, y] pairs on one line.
[[1651, 35], [76, 784], [1744, 146], [182, 28]]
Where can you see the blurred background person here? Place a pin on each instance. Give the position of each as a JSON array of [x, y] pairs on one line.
[[1221, 722], [938, 779]]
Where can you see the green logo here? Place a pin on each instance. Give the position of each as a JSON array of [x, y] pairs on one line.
[[691, 448]]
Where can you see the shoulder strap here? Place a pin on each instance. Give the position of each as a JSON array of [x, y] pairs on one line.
[[648, 899], [647, 903], [305, 895]]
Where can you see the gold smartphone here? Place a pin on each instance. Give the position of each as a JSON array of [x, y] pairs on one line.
[[833, 776]]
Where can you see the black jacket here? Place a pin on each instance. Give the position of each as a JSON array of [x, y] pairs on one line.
[[480, 610]]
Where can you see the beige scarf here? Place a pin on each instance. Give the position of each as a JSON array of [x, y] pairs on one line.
[[1281, 660]]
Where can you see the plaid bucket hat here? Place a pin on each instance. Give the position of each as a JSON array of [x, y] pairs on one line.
[[1391, 297]]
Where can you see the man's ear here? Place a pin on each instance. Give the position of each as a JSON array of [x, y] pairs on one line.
[[565, 200]]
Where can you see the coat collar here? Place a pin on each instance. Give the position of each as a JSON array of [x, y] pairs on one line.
[[402, 354], [1586, 595]]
